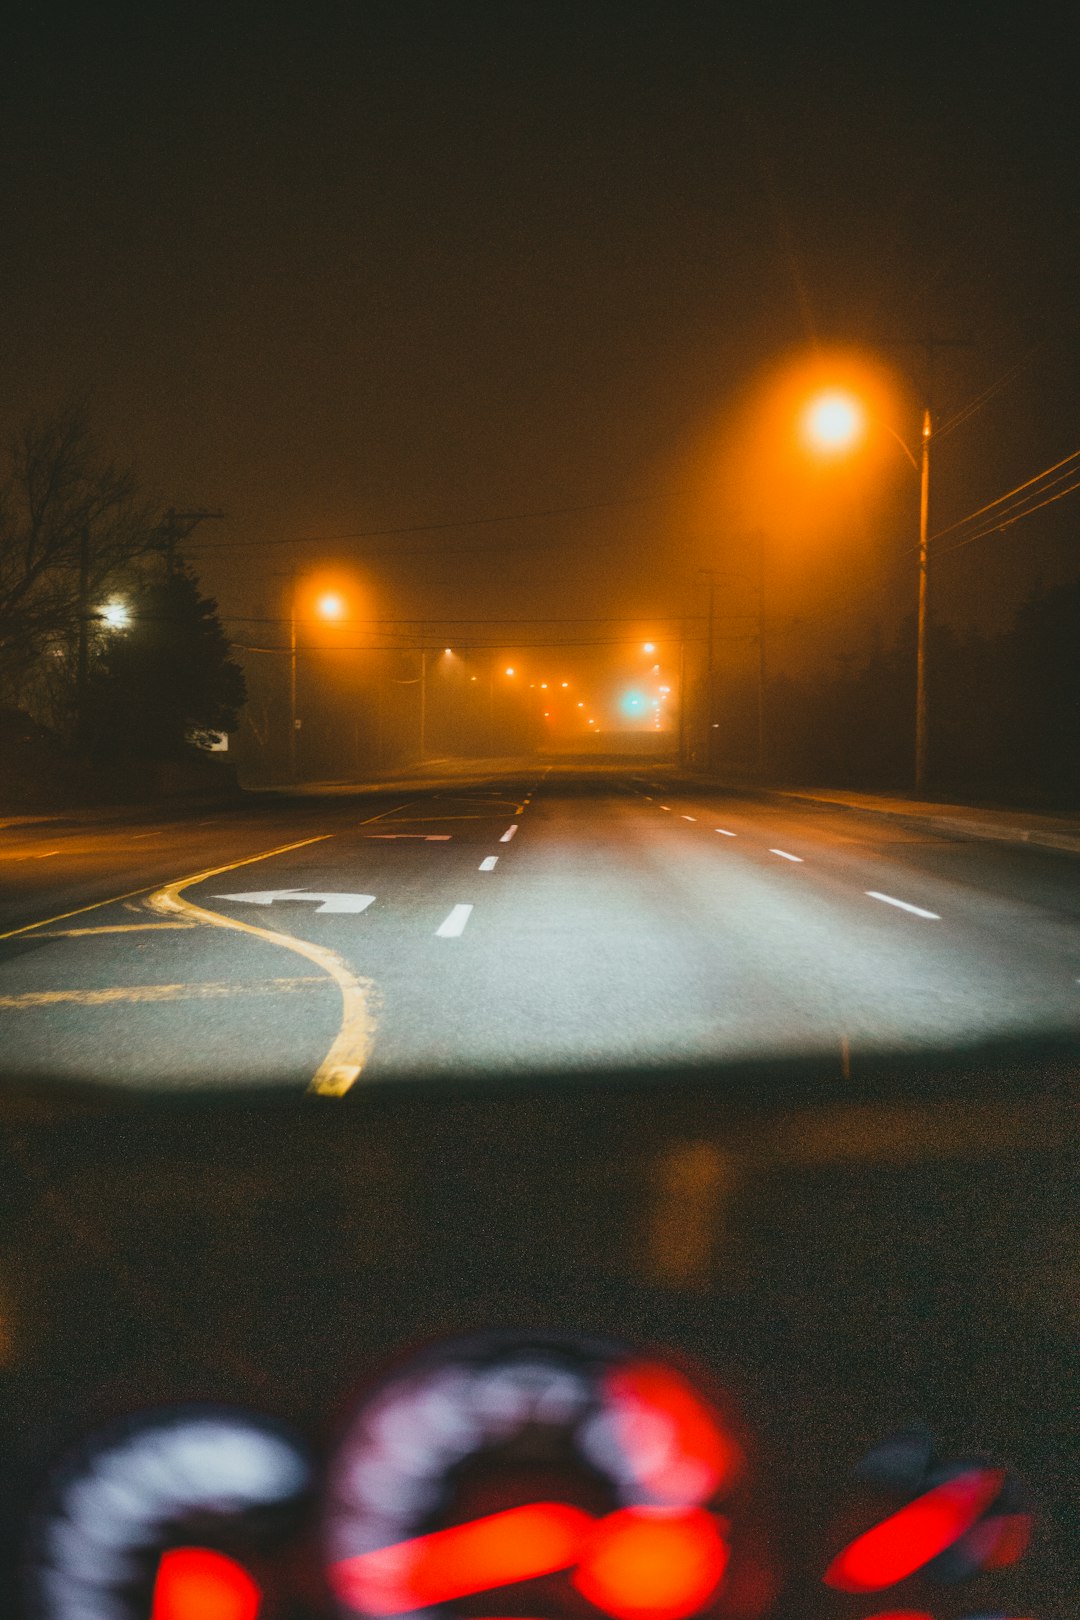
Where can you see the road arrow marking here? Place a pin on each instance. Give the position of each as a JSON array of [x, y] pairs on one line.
[[328, 902]]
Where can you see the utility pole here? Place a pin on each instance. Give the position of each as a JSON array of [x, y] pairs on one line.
[[761, 669], [931, 347], [294, 723], [423, 703], [82, 657], [710, 666], [682, 692], [920, 640]]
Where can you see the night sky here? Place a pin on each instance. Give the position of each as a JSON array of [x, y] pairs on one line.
[[341, 268]]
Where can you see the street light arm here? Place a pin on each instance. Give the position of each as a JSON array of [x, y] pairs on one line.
[[905, 447]]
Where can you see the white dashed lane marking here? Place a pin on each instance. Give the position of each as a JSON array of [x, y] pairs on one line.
[[488, 863], [454, 924], [904, 905], [689, 818], [784, 856], [508, 834], [725, 832]]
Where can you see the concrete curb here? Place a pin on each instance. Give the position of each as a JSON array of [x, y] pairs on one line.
[[964, 827]]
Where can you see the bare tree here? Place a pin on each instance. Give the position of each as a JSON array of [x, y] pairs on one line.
[[70, 522]]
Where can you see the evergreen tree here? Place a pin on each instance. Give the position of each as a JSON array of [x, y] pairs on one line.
[[167, 678]]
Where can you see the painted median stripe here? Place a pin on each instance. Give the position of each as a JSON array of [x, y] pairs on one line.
[[508, 834], [488, 863], [454, 924], [904, 905]]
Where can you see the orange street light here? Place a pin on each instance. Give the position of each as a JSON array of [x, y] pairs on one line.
[[509, 671], [834, 421], [330, 606], [650, 646]]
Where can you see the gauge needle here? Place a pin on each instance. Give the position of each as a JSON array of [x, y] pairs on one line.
[[907, 1540], [516, 1545], [640, 1563]]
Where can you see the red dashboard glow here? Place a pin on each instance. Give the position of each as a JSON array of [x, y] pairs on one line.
[[194, 1583], [904, 1542], [699, 1458], [652, 1563], [635, 1564]]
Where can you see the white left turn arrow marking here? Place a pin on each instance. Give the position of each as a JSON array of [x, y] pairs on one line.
[[327, 902]]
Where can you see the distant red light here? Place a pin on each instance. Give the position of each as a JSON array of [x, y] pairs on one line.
[[907, 1540], [194, 1583], [653, 1563]]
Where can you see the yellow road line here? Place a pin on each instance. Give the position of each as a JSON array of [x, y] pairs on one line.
[[343, 1063], [129, 894], [113, 928], [159, 992]]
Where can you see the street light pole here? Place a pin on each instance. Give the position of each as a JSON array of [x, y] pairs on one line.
[[292, 682], [423, 703], [920, 653], [761, 671]]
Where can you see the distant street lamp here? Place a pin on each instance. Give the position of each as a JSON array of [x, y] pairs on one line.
[[835, 421], [116, 614]]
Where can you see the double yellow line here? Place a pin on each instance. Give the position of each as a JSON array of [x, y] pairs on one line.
[[345, 1060]]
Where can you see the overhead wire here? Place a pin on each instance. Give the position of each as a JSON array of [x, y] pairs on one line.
[[1009, 494], [975, 405], [438, 527], [1007, 522]]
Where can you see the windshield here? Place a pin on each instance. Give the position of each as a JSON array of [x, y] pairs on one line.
[[539, 813]]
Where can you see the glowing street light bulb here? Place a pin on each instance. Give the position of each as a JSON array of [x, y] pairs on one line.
[[650, 646], [331, 606], [116, 614], [447, 651], [834, 421], [510, 670]]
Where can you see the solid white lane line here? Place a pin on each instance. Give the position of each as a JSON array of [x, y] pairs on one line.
[[488, 863], [784, 856], [508, 834], [454, 924], [904, 905], [725, 832], [689, 818]]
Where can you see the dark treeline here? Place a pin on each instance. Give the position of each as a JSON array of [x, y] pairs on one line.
[[1004, 713]]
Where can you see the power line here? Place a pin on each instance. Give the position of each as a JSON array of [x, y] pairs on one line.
[[1007, 523], [976, 404], [1008, 496], [454, 523]]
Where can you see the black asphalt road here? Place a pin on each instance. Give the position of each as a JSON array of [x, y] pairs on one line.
[[534, 920]]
